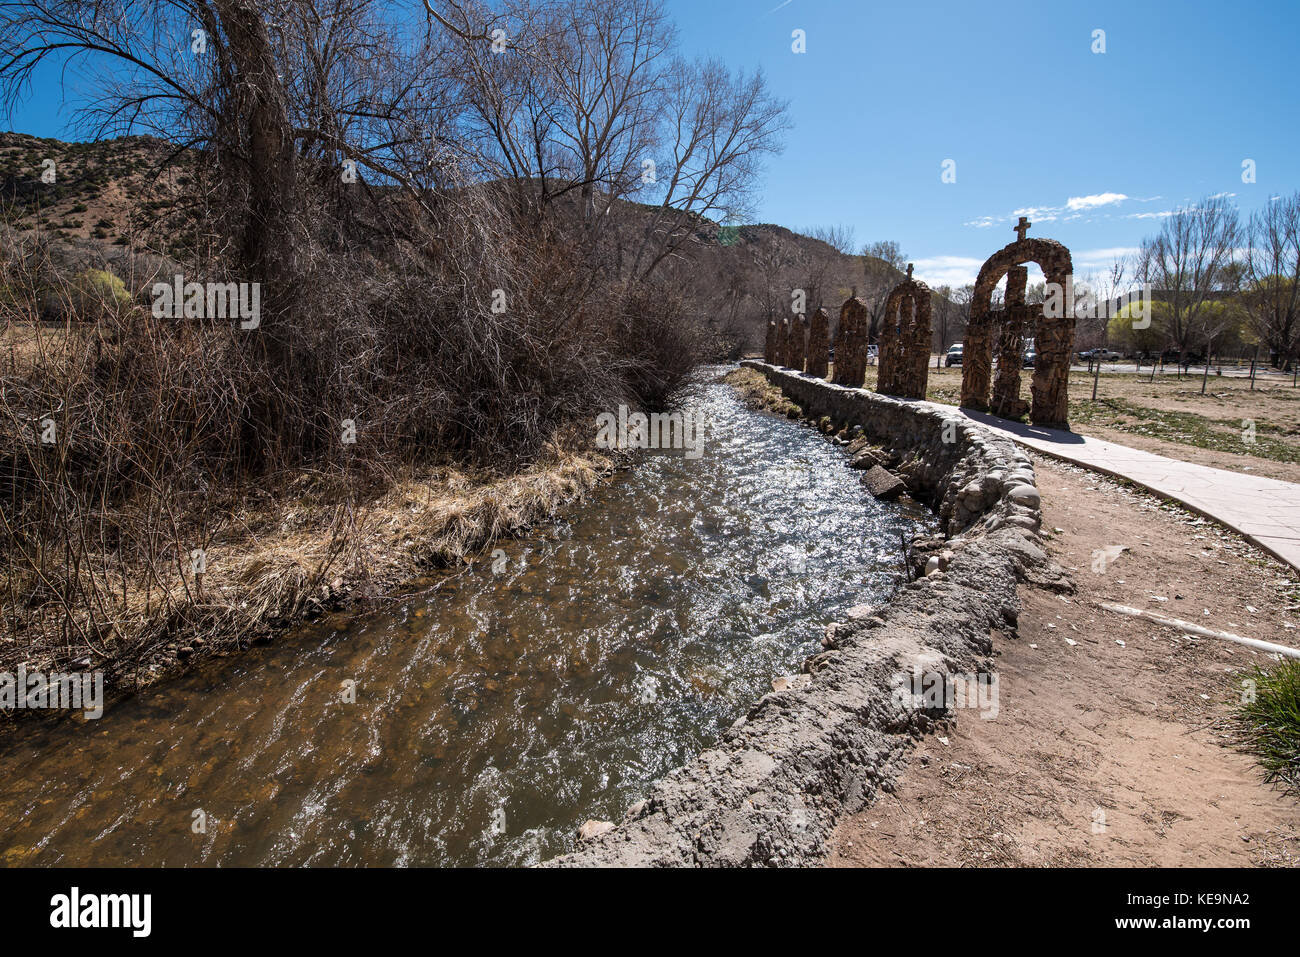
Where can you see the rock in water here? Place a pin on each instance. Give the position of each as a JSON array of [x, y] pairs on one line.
[[866, 458], [591, 830], [882, 484]]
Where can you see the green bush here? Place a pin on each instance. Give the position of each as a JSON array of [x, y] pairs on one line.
[[1272, 723]]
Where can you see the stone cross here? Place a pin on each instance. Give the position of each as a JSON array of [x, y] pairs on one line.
[[909, 270], [1021, 228]]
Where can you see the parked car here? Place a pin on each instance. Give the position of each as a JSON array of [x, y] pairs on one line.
[[1193, 357], [1030, 357], [1099, 355], [953, 357]]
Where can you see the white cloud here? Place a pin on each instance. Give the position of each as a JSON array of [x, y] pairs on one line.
[[951, 271], [1076, 206], [1101, 258], [1160, 215], [1076, 203], [1037, 214]]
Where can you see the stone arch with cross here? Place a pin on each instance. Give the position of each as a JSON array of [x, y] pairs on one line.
[[905, 340], [1053, 338]]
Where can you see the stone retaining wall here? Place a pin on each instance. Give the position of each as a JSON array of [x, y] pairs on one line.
[[838, 734]]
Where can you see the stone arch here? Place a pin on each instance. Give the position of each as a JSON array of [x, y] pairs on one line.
[[1053, 337], [851, 343], [905, 340], [819, 340]]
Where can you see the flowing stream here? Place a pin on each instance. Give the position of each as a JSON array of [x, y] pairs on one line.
[[495, 710]]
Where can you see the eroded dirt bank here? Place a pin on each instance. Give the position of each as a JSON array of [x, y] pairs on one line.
[[1113, 744]]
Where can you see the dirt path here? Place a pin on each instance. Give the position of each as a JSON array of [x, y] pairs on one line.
[[1105, 753]]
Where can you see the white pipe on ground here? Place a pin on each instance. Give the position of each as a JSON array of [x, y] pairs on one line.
[[1193, 629]]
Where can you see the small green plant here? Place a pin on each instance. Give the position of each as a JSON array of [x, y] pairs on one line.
[[1271, 722]]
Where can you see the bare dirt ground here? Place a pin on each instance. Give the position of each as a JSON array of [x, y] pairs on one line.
[[1113, 743]]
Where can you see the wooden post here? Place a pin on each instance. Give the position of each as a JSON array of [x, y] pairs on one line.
[[1252, 368]]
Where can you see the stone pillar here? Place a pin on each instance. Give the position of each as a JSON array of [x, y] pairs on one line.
[[798, 343], [1009, 347], [916, 369], [818, 344], [1054, 343], [904, 368], [887, 359], [769, 344], [976, 362], [851, 344]]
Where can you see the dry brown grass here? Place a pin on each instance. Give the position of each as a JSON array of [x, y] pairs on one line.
[[287, 559]]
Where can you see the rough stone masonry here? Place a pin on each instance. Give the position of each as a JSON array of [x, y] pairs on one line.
[[1053, 337]]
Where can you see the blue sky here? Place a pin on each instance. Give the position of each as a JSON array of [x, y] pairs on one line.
[[1012, 92], [1093, 147]]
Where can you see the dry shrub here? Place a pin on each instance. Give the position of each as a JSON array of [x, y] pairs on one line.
[[176, 435]]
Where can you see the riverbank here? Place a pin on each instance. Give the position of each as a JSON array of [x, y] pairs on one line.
[[1115, 743], [273, 560], [480, 718]]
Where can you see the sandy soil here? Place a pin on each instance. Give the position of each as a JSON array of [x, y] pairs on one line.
[[1112, 744]]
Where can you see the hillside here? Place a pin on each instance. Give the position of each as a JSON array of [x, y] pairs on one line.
[[109, 199]]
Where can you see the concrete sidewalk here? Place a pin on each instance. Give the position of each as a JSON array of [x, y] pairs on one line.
[[1262, 510]]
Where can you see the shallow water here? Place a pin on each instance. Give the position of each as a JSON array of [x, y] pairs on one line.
[[495, 710]]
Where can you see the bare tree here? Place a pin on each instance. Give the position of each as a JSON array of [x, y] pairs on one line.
[[950, 310], [883, 263], [1186, 261], [720, 126], [1271, 278], [589, 109], [841, 243], [269, 97], [840, 238]]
